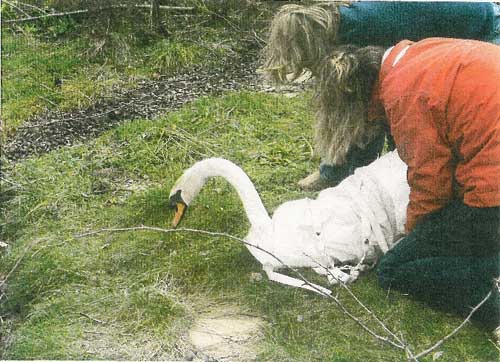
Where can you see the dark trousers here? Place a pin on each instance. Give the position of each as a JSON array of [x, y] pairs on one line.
[[356, 157], [450, 261]]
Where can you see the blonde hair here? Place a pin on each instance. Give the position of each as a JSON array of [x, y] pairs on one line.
[[299, 37], [345, 82]]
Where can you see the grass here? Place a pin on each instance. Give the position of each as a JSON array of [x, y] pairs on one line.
[[59, 68], [39, 76], [134, 295]]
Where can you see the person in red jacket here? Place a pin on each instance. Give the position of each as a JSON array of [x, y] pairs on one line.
[[441, 100]]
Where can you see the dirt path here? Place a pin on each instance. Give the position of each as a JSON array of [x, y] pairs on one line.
[[148, 100], [225, 333]]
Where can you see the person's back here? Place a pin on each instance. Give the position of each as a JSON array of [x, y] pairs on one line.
[[388, 22], [444, 96]]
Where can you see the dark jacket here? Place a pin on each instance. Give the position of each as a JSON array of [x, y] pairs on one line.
[[388, 22]]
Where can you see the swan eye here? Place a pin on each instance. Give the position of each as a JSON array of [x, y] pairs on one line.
[[318, 233], [175, 199]]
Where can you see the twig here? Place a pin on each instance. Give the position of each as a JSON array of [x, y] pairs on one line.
[[92, 318], [31, 18], [84, 11], [44, 247], [94, 332], [495, 345], [15, 265], [296, 272], [456, 330], [256, 36], [31, 6], [48, 101], [233, 25], [398, 344], [401, 343], [16, 7], [179, 230], [12, 183], [163, 7]]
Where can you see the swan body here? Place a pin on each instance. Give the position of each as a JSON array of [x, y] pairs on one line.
[[341, 232]]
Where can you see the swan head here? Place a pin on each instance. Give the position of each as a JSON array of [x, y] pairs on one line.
[[184, 191], [176, 202], [188, 186]]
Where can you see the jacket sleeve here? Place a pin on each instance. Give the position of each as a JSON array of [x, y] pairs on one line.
[[422, 145]]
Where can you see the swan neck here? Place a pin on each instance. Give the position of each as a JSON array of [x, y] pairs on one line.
[[254, 208]]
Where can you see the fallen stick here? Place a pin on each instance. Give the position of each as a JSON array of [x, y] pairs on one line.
[[85, 11], [32, 18], [392, 339], [455, 331], [398, 344], [92, 318]]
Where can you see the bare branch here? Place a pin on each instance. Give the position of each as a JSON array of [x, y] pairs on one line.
[[30, 6], [16, 265], [16, 7], [11, 182], [92, 318], [164, 7], [400, 342], [311, 286], [456, 330], [31, 18], [84, 11], [46, 246], [392, 340], [211, 233]]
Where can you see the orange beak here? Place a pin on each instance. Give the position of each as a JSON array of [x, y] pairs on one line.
[[180, 208]]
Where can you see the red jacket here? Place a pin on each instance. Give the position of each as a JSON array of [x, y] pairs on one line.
[[442, 102]]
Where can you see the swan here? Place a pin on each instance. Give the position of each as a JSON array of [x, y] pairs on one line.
[[340, 233]]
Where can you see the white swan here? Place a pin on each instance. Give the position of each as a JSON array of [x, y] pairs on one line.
[[350, 224]]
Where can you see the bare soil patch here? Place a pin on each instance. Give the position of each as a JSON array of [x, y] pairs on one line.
[[149, 99], [225, 334]]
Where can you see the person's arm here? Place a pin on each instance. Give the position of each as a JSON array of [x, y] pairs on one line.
[[424, 148], [355, 157]]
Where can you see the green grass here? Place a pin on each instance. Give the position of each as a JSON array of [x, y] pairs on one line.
[[40, 74], [32, 69], [123, 295]]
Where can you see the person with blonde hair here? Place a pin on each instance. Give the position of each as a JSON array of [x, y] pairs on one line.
[[301, 36]]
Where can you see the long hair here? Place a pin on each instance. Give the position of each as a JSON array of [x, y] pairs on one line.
[[346, 78], [299, 37]]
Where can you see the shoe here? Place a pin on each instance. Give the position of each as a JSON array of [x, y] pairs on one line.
[[313, 182], [496, 337]]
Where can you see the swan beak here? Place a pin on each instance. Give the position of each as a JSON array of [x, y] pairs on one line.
[[180, 208]]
